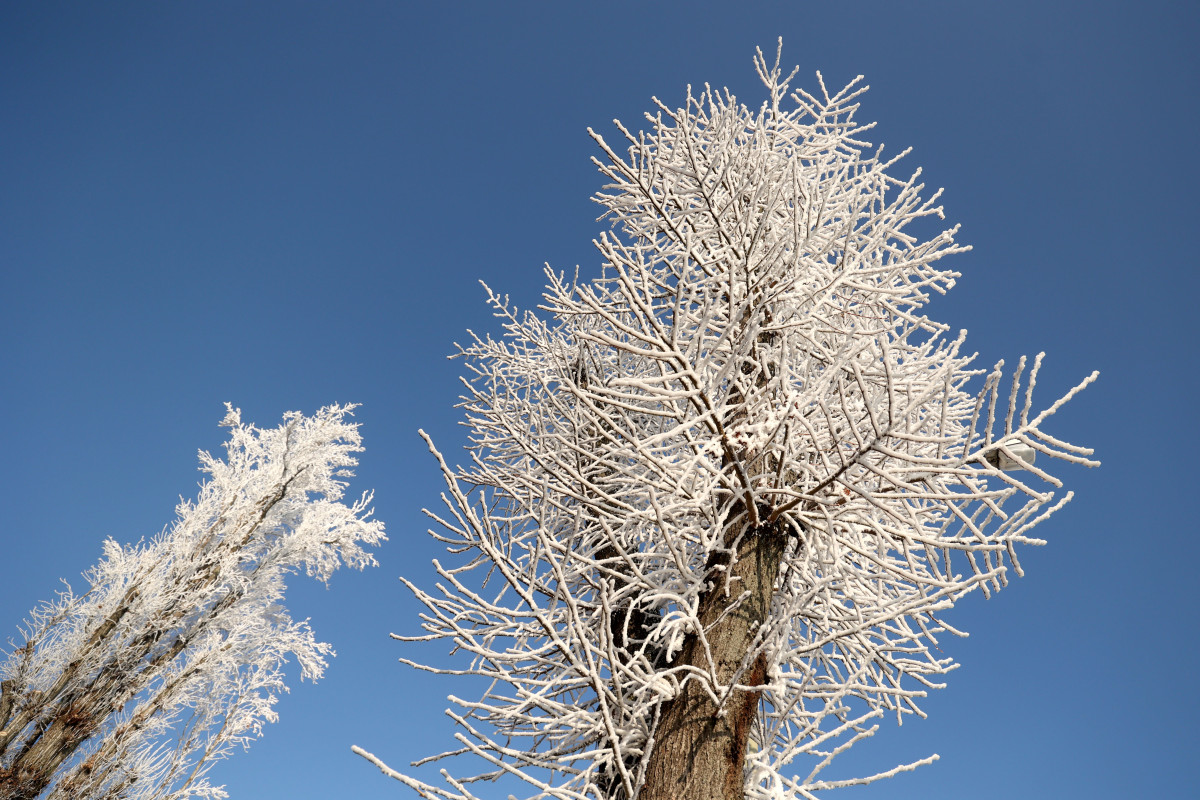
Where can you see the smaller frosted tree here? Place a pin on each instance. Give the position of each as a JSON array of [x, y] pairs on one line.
[[175, 653]]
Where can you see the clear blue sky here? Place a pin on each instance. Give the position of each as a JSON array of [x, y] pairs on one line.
[[284, 205]]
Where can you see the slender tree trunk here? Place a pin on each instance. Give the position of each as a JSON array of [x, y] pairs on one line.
[[699, 750], [35, 768]]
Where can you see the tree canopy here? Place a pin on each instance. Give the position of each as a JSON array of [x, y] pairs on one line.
[[719, 496]]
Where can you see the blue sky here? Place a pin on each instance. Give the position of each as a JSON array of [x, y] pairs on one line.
[[284, 205]]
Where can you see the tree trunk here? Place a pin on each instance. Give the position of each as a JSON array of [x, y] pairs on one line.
[[699, 750], [36, 768]]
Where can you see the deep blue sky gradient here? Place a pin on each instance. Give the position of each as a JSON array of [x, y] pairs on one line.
[[285, 205]]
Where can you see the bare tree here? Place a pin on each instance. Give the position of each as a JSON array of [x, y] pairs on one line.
[[175, 654], [719, 496]]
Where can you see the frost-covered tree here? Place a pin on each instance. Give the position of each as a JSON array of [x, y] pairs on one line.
[[719, 497], [175, 653]]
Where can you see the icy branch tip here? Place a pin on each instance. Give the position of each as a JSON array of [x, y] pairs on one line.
[[233, 417]]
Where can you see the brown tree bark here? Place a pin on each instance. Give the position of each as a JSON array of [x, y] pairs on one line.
[[699, 750], [34, 769]]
